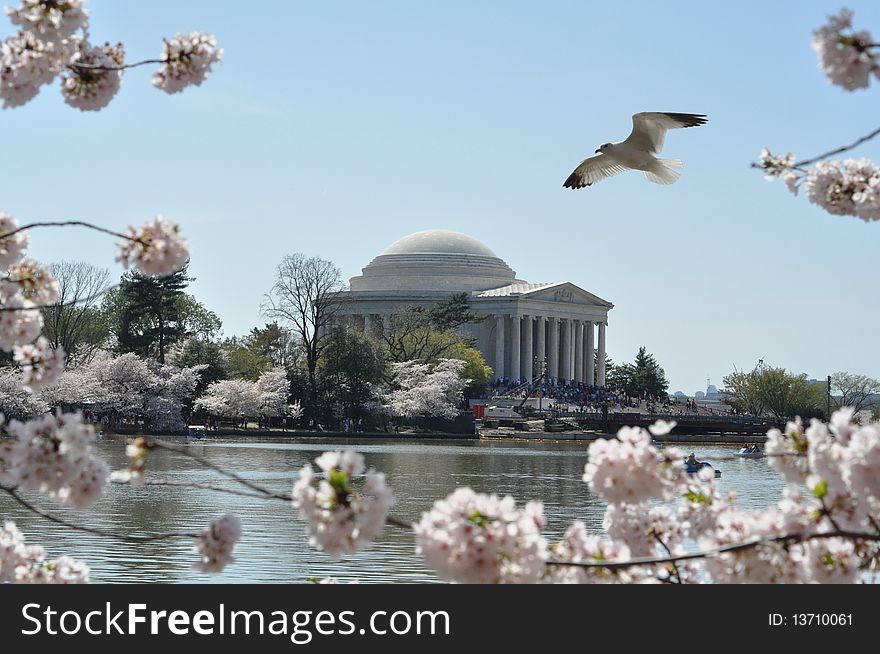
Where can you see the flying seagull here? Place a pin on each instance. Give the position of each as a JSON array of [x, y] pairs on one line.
[[637, 151]]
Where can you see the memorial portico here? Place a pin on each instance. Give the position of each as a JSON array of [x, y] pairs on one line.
[[528, 328]]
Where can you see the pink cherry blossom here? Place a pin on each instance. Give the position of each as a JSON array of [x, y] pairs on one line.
[[580, 547], [340, 520], [50, 20], [188, 60], [844, 57], [12, 248], [26, 564], [217, 542], [53, 454], [156, 248], [35, 282], [26, 64], [20, 323], [850, 187], [87, 87], [786, 451], [631, 469], [41, 365], [475, 538]]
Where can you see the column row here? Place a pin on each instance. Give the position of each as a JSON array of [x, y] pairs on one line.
[[560, 348]]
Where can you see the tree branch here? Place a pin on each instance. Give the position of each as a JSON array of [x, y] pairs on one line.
[[180, 449], [830, 153], [736, 547], [68, 223], [96, 532], [74, 65]]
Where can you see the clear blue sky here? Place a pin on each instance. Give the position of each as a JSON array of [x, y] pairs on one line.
[[334, 128]]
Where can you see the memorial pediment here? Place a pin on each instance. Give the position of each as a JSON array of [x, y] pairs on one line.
[[566, 292]]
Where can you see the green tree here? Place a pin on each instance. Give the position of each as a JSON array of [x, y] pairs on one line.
[[148, 315], [475, 368], [243, 361], [350, 367], [775, 392], [274, 343], [644, 378]]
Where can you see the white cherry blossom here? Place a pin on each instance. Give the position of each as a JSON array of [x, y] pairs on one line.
[[156, 248], [340, 520], [475, 538], [217, 542], [188, 60]]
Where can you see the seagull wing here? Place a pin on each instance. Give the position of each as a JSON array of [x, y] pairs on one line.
[[593, 170], [649, 128]]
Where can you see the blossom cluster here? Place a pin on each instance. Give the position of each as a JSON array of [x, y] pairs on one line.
[[53, 454], [155, 248], [578, 546], [217, 542], [476, 538], [630, 469], [137, 452], [339, 520], [775, 166], [22, 284], [27, 564], [850, 187], [40, 364], [94, 76], [187, 60], [53, 42], [52, 20], [426, 390], [844, 54]]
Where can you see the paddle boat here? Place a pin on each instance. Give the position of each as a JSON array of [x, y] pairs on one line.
[[751, 453], [196, 432], [694, 469]]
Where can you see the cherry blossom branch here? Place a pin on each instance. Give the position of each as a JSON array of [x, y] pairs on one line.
[[90, 530], [736, 547], [669, 553], [74, 66], [211, 487], [68, 223], [173, 447], [830, 153]]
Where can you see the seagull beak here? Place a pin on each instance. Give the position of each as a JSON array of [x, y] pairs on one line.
[[598, 151]]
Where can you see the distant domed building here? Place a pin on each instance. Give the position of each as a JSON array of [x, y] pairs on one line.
[[525, 324]]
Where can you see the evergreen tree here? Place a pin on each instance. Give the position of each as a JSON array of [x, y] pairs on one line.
[[148, 315], [643, 379]]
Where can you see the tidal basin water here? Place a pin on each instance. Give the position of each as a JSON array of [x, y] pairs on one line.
[[274, 546]]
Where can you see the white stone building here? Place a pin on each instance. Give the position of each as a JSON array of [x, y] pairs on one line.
[[558, 324]]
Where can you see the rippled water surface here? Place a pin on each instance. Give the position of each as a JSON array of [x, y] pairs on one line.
[[273, 546]]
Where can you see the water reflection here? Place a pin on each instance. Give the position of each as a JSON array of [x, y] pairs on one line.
[[274, 545]]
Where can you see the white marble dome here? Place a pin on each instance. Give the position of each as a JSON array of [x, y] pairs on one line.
[[435, 260]]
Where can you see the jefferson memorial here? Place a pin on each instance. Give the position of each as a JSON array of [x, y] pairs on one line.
[[527, 325]]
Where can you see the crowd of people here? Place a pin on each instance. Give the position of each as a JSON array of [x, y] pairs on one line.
[[578, 396]]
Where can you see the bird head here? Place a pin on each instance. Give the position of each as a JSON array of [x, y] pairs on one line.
[[603, 147]]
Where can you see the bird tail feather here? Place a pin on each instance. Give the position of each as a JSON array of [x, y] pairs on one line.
[[663, 171]]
